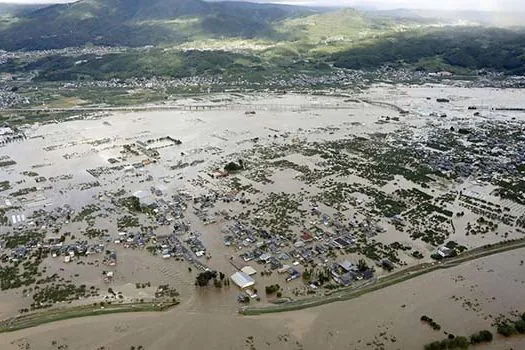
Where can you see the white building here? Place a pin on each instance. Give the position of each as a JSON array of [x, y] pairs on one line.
[[249, 270], [242, 280]]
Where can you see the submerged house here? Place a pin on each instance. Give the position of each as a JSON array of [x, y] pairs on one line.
[[242, 280], [248, 270]]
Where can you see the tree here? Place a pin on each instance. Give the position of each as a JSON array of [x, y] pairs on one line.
[[506, 330], [232, 167], [204, 278], [459, 342], [433, 346], [272, 288], [520, 326], [134, 203], [481, 337], [362, 265], [486, 336], [307, 275]]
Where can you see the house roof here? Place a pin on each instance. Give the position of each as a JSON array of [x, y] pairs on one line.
[[265, 256], [445, 250], [306, 236], [242, 280], [6, 130], [346, 265], [141, 194], [249, 270], [284, 269]]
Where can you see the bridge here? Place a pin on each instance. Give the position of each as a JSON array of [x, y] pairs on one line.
[[208, 107], [385, 104], [189, 107], [495, 108]]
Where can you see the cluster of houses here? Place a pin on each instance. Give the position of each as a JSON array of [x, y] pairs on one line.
[[56, 248], [164, 212], [70, 251], [244, 280], [443, 252], [15, 254], [8, 135], [196, 245], [137, 239], [345, 272], [181, 227], [487, 154], [202, 205], [275, 250], [172, 246], [10, 98]]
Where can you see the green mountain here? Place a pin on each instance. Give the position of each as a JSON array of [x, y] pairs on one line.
[[244, 40], [141, 22], [457, 48], [13, 9], [9, 12]]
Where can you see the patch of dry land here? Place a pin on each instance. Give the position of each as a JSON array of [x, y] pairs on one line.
[[319, 195]]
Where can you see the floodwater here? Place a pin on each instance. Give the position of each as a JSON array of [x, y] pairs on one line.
[[463, 300], [460, 299]]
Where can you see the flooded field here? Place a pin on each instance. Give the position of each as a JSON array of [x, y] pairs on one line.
[[315, 193]]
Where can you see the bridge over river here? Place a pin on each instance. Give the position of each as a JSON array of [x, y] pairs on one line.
[[188, 107], [210, 106]]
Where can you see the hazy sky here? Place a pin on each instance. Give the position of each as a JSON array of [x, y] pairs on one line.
[[491, 5]]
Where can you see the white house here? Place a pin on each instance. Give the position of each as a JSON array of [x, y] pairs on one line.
[[242, 280]]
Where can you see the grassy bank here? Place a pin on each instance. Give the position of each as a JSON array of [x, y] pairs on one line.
[[38, 318], [398, 277]]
